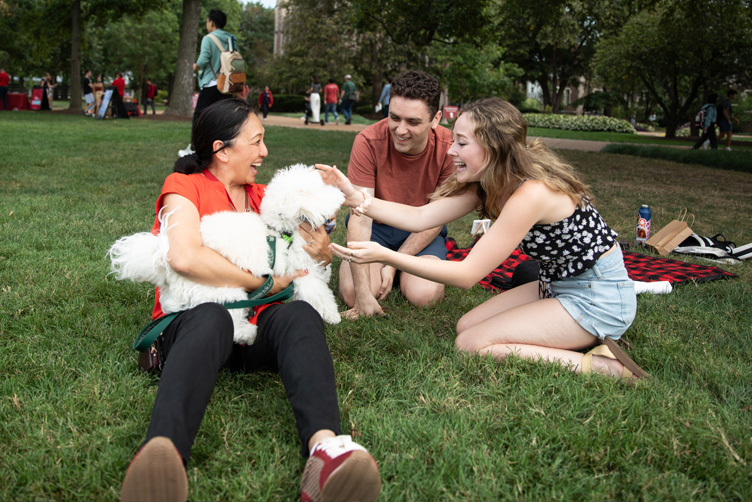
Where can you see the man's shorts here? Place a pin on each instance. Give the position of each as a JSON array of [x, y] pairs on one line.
[[89, 98], [725, 126], [392, 238]]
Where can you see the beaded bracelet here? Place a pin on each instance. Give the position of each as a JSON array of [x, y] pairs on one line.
[[363, 207]]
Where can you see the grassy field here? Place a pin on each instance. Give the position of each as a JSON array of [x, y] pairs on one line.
[[442, 425]]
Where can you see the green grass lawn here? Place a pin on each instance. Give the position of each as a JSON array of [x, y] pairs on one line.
[[442, 425]]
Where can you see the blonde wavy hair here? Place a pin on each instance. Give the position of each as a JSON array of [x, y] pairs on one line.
[[501, 130]]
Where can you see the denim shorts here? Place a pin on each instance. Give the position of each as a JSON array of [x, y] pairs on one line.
[[602, 299], [392, 238], [725, 126]]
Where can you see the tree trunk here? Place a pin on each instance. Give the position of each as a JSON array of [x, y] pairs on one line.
[[182, 86], [75, 77]]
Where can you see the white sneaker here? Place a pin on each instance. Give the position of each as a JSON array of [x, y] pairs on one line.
[[706, 144], [340, 470], [728, 148]]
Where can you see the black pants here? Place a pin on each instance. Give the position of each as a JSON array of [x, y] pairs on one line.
[[198, 343], [147, 102], [207, 97], [708, 134]]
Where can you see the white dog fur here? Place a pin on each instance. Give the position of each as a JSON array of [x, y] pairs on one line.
[[294, 195]]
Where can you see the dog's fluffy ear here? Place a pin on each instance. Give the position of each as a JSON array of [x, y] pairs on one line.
[[297, 194]]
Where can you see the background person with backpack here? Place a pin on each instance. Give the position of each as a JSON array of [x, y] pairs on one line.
[[725, 117], [706, 119], [208, 63], [348, 96]]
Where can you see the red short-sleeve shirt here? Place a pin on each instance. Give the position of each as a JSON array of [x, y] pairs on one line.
[[396, 177], [209, 196]]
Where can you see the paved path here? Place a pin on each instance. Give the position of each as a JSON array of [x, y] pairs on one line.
[[562, 144]]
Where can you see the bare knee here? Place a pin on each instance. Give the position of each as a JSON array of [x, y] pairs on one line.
[[464, 323], [463, 341], [420, 292]]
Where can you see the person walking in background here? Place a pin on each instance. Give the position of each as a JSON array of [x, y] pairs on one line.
[[725, 117], [347, 98], [208, 63], [331, 98], [314, 95], [4, 82], [88, 94], [384, 99], [119, 84], [265, 101], [708, 124], [151, 93], [221, 176]]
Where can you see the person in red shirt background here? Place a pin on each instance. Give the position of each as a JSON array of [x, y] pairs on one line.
[[4, 81], [331, 96], [119, 84], [265, 101], [151, 92]]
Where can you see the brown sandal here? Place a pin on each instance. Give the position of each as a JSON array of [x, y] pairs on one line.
[[612, 350]]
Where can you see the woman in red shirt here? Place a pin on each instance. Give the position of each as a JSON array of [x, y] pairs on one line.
[[221, 176]]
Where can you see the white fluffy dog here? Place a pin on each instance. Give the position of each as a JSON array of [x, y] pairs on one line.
[[294, 195]]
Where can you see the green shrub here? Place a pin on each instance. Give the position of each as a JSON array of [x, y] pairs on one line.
[[721, 159], [578, 122], [289, 103]]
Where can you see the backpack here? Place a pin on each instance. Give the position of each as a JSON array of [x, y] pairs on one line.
[[700, 117], [231, 75]]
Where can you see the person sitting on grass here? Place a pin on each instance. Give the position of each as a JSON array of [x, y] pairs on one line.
[[220, 176], [536, 202]]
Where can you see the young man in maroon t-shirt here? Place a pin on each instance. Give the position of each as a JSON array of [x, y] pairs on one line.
[[402, 158]]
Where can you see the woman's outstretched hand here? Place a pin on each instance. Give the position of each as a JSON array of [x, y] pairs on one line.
[[317, 243], [359, 252], [334, 177]]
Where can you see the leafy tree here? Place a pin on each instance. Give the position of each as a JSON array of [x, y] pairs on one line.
[[679, 48], [553, 41], [145, 45], [415, 24], [370, 38], [256, 41], [472, 72]]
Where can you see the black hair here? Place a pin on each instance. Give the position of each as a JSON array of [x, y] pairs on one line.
[[712, 98], [331, 80], [418, 85], [730, 93], [221, 121], [218, 17]]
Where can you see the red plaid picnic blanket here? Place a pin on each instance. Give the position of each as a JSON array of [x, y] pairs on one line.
[[640, 267]]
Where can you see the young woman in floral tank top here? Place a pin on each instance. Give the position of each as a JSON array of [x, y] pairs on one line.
[[538, 203]]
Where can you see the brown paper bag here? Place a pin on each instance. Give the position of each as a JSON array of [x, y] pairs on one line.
[[670, 236]]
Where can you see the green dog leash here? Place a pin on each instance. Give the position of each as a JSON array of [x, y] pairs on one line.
[[151, 331]]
